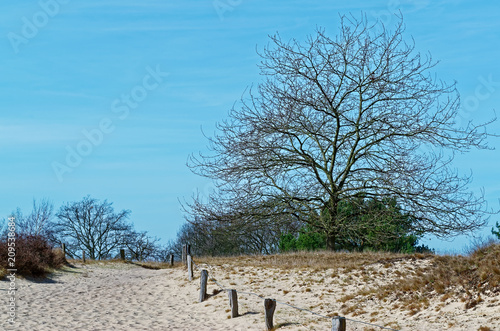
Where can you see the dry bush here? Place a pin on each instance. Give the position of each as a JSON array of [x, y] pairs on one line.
[[34, 256]]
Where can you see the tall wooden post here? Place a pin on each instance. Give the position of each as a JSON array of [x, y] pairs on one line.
[[83, 256], [338, 324], [203, 285], [270, 306], [190, 267], [184, 255], [64, 249], [171, 260], [233, 302]]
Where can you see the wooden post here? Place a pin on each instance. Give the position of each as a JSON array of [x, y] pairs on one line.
[[190, 267], [270, 306], [203, 285], [64, 249], [184, 255], [233, 302], [83, 256], [338, 324], [188, 249], [171, 260], [122, 254]]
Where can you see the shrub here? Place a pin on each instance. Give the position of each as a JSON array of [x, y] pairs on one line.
[[34, 256], [288, 243], [497, 231], [310, 241], [307, 240]]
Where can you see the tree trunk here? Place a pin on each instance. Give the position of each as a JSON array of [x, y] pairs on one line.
[[331, 231], [330, 242]]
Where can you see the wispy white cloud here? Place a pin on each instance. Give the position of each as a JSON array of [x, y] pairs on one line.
[[71, 94], [35, 133]]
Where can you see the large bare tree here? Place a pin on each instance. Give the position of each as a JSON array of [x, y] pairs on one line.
[[336, 119], [92, 226]]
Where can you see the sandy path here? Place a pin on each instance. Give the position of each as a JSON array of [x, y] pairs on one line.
[[107, 297], [116, 296]]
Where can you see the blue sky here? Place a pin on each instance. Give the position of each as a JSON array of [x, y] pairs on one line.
[[128, 86]]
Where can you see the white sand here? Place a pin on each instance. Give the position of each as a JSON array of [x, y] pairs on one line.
[[126, 297]]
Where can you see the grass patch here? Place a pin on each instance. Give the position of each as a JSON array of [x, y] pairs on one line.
[[318, 261], [465, 277]]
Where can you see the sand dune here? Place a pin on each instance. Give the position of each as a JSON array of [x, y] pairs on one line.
[[117, 296]]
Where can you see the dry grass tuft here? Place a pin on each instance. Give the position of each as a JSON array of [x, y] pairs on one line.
[[156, 265], [152, 264]]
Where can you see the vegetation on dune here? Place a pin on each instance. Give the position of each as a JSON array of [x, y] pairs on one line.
[[35, 256], [467, 279]]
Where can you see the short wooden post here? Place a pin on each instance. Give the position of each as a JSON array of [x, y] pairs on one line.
[[83, 256], [122, 254], [203, 285], [338, 324], [190, 267], [270, 306], [171, 260], [184, 255], [233, 302], [64, 249]]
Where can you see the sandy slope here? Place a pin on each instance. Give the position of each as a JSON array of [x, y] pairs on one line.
[[115, 296]]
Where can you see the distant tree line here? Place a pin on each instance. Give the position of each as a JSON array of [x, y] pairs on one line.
[[89, 225], [381, 226]]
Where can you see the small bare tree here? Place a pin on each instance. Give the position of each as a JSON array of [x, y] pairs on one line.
[[92, 226], [338, 118], [140, 246], [38, 223]]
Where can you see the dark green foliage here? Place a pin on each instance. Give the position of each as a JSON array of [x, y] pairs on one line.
[[287, 243], [379, 225], [497, 231], [307, 240], [373, 225]]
